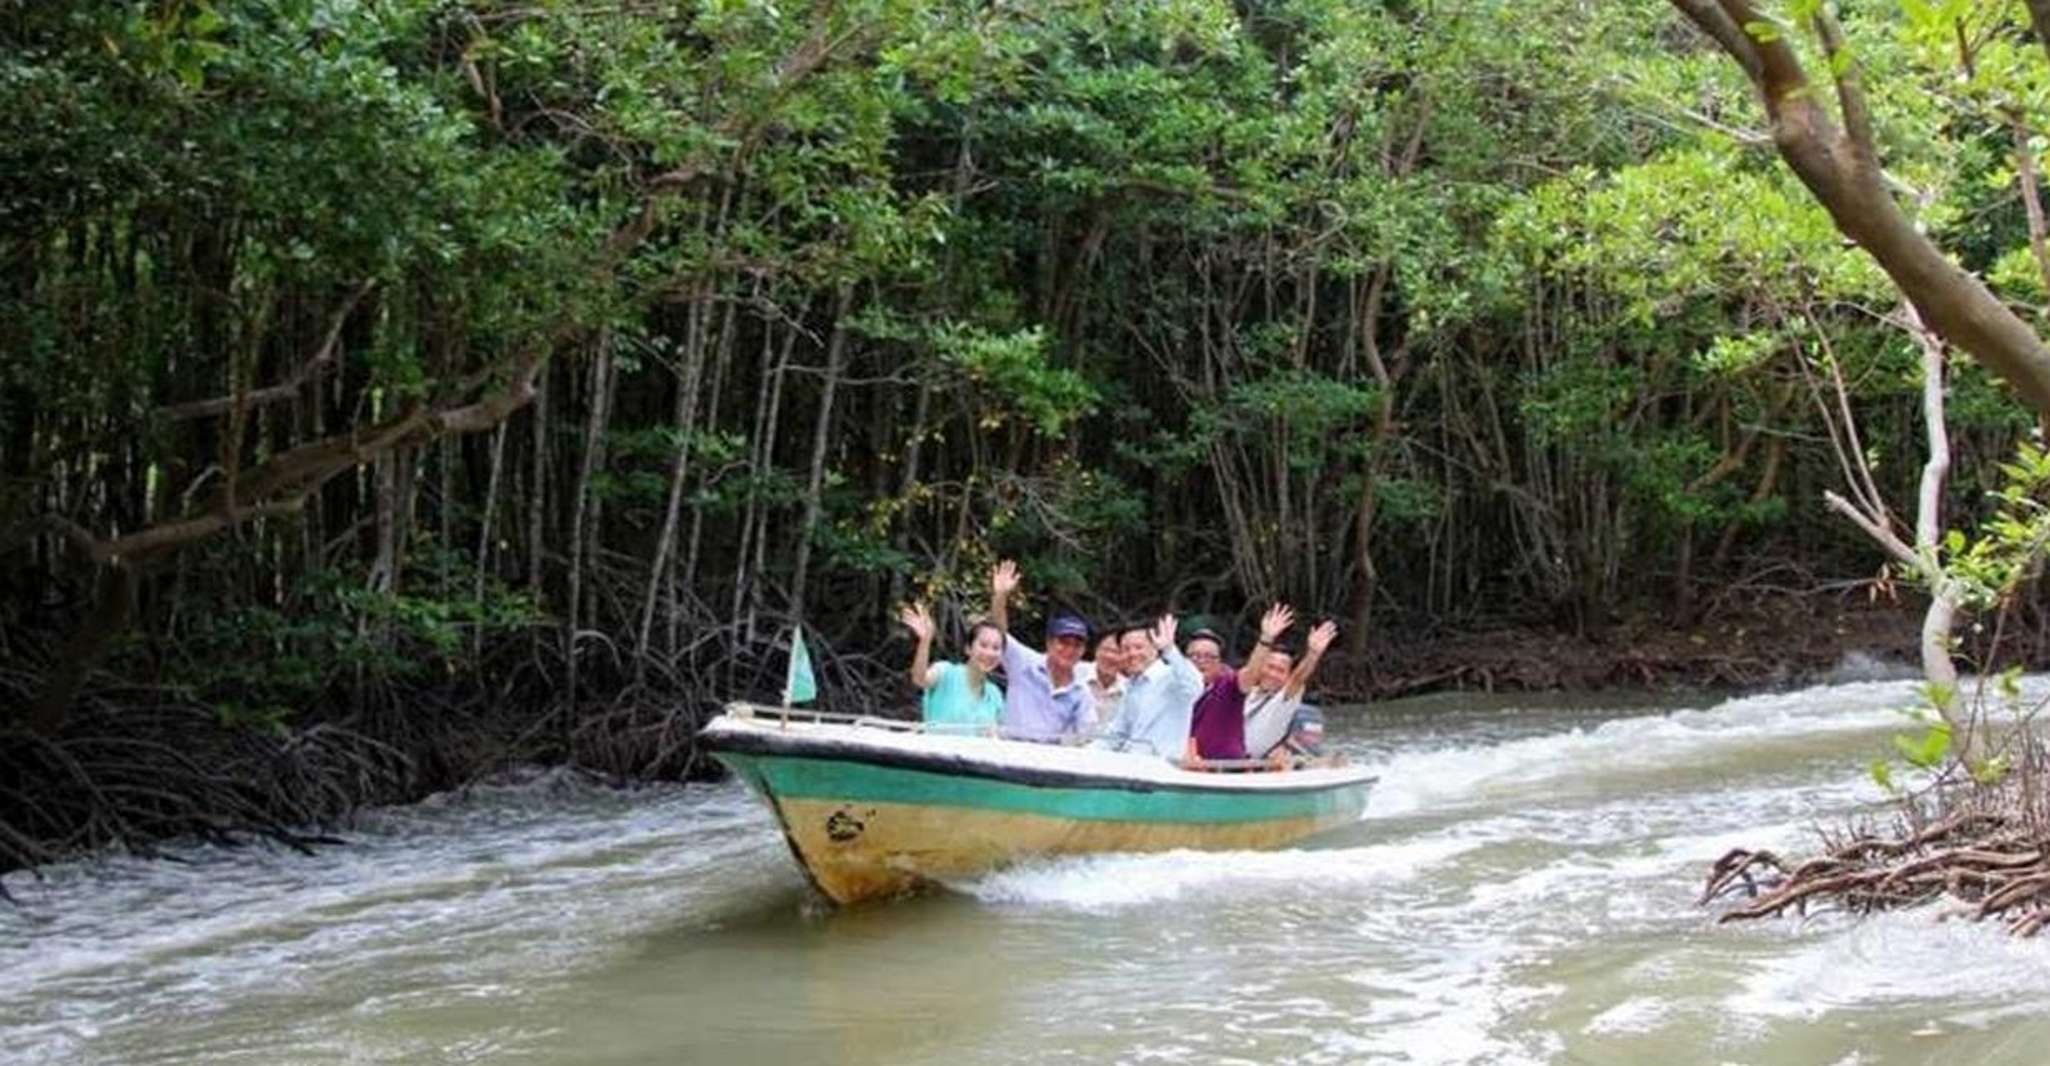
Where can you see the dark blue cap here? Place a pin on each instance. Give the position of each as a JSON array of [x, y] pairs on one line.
[[1067, 625]]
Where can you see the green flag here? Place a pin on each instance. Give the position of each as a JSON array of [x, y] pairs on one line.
[[800, 686]]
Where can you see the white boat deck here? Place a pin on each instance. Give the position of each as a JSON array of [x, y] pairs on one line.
[[854, 735]]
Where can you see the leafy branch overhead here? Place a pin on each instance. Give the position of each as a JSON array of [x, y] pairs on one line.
[[1836, 152]]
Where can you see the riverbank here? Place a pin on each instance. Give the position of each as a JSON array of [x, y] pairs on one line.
[[1792, 644]]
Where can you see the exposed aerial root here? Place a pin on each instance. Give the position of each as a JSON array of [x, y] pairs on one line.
[[170, 771], [138, 766], [1988, 850]]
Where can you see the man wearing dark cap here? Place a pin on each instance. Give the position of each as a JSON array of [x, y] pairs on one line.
[[1045, 699]]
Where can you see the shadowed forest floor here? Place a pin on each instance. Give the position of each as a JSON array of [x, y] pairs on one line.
[[1756, 649]]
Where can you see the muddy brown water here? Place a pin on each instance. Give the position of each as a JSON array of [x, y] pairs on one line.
[[1521, 890]]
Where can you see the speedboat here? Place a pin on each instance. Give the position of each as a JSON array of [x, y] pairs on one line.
[[875, 807]]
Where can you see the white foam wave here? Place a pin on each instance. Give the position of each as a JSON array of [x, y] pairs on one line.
[[1638, 1014], [1111, 881], [1642, 745], [1898, 959], [499, 861]]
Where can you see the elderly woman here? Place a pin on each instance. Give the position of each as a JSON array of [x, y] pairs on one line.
[[1103, 676], [959, 697]]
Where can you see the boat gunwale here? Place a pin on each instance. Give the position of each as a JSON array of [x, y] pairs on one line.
[[748, 737]]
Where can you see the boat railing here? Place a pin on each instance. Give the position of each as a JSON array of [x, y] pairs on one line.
[[783, 717], [1258, 766]]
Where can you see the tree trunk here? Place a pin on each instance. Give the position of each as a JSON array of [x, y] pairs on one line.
[[537, 499], [684, 418], [114, 600], [686, 581], [580, 532], [1921, 559], [836, 362], [1387, 375], [753, 572]]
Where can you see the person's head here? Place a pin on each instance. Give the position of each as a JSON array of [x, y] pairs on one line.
[[1139, 652], [1306, 731], [1066, 636], [985, 646], [1274, 669], [1206, 651], [1109, 657]]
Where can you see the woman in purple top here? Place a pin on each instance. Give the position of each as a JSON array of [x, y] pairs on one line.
[[1217, 729]]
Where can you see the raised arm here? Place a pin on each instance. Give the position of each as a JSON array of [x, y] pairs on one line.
[[916, 619], [1003, 580], [1320, 638], [1182, 675], [1272, 625]]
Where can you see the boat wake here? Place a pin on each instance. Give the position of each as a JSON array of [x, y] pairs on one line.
[[1516, 793], [1101, 882], [1636, 752]]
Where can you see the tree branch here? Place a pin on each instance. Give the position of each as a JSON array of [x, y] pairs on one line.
[[1881, 535], [2032, 193], [322, 358], [1929, 506], [1859, 199], [76, 535], [281, 485], [1738, 45], [802, 61], [1779, 72], [1850, 87], [2039, 19]]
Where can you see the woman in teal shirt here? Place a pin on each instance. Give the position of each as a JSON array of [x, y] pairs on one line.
[[959, 697]]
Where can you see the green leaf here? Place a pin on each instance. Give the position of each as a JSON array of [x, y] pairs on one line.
[[1926, 752], [1991, 771]]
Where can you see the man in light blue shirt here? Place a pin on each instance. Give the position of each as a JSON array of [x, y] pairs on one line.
[[1160, 697], [1045, 698]]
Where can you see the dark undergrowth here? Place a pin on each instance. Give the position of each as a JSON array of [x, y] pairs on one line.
[[134, 766]]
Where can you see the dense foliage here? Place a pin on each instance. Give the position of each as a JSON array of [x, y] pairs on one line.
[[558, 354]]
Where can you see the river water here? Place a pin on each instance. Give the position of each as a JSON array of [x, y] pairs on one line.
[[1521, 890]]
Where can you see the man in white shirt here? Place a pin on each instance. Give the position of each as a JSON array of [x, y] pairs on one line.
[[1272, 705], [1161, 695]]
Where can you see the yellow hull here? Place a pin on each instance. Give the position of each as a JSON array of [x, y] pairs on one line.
[[861, 851]]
